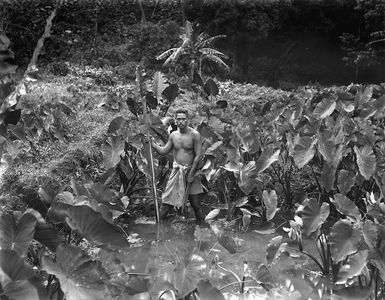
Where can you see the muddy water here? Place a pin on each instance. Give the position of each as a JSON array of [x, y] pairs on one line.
[[156, 247]]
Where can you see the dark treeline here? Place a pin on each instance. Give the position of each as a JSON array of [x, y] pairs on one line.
[[277, 43]]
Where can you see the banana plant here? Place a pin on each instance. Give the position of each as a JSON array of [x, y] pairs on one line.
[[195, 49]]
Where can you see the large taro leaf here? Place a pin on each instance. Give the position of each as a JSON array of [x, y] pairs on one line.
[[272, 248], [304, 151], [30, 289], [344, 240], [377, 258], [351, 293], [324, 108], [115, 125], [92, 226], [211, 88], [328, 176], [13, 266], [259, 272], [267, 157], [171, 92], [159, 84], [207, 291], [18, 280], [186, 277], [270, 199], [313, 216], [17, 237], [45, 233], [79, 276], [370, 234], [249, 140], [346, 206], [366, 161], [112, 151], [352, 267], [363, 96], [247, 177], [346, 180]]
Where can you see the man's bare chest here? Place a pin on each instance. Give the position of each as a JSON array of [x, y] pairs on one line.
[[183, 141]]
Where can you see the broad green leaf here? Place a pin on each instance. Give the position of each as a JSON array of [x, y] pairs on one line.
[[377, 258], [351, 293], [13, 266], [30, 289], [207, 291], [328, 176], [186, 277], [241, 202], [247, 177], [324, 108], [171, 92], [346, 180], [346, 206], [313, 216], [270, 199], [366, 161], [212, 214], [265, 228], [17, 237], [370, 234], [93, 227], [352, 267], [112, 151], [267, 157], [363, 96], [344, 240], [379, 105], [304, 151], [159, 84], [259, 272], [151, 101], [249, 140], [79, 276], [79, 189], [90, 224], [272, 248], [228, 242], [45, 233], [211, 88], [115, 125]]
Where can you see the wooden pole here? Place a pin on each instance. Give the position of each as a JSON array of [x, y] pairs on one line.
[[147, 123]]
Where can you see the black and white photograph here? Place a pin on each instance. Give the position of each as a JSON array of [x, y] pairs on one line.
[[192, 149]]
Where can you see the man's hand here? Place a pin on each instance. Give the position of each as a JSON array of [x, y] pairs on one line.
[[190, 177], [148, 138]]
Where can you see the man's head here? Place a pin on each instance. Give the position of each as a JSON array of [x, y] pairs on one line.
[[181, 118]]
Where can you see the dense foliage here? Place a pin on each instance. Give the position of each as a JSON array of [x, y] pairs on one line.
[[75, 246], [271, 42]]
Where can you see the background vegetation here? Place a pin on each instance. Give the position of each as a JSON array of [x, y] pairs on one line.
[[279, 43]]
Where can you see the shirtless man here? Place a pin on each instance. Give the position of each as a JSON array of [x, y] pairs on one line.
[[186, 146]]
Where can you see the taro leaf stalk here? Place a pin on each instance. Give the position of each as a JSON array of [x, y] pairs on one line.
[[147, 123]]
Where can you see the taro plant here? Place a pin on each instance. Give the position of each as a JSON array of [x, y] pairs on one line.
[[349, 252]]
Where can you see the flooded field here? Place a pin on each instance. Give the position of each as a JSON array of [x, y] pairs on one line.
[[183, 255]]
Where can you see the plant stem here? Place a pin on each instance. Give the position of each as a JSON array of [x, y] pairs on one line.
[[232, 273], [234, 283]]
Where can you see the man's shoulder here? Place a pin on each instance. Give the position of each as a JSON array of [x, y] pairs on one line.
[[194, 131]]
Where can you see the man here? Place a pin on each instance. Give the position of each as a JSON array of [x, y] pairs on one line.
[[186, 146]]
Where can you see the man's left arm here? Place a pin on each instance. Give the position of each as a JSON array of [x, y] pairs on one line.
[[198, 155]]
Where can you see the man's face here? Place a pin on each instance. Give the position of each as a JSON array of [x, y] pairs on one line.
[[181, 120]]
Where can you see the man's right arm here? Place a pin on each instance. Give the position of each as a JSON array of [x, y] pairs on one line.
[[165, 149]]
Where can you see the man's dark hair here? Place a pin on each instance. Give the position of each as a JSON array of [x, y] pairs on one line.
[[181, 111]]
